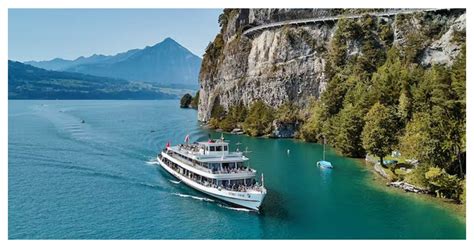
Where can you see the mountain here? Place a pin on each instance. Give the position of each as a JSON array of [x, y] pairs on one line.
[[166, 63], [29, 82]]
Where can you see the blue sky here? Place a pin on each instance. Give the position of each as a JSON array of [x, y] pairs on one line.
[[43, 34]]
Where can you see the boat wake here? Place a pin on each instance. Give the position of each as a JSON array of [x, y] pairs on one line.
[[152, 162], [175, 182], [234, 208], [194, 197]]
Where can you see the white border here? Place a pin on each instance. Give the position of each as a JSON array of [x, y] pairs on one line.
[[5, 4]]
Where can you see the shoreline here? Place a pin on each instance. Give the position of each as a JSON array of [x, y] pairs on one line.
[[379, 182]]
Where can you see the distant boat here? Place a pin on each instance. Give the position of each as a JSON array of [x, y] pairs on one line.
[[323, 164]]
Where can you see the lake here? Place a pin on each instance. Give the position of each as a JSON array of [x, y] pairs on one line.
[[98, 180]]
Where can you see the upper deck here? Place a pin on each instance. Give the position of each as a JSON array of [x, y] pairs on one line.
[[208, 152]]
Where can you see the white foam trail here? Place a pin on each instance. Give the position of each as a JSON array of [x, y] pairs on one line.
[[194, 197], [152, 162], [236, 209], [175, 182]]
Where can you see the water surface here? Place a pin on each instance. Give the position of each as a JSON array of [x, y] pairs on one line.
[[96, 180]]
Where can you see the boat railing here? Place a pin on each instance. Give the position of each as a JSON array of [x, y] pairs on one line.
[[245, 170], [234, 171], [235, 188], [240, 188]]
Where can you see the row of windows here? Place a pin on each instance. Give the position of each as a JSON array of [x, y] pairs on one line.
[[217, 148]]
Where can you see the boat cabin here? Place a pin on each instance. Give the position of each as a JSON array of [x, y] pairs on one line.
[[214, 148]]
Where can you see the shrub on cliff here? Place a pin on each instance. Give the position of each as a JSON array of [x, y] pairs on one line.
[[287, 113], [186, 101], [313, 126], [195, 101], [259, 119]]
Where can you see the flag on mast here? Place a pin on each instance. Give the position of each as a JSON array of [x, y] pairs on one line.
[[168, 145], [186, 139]]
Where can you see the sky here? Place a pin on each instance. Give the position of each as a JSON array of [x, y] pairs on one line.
[[44, 34]]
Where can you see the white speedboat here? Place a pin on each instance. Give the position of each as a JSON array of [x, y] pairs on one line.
[[211, 168]]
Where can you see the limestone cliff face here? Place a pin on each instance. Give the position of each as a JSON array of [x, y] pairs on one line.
[[287, 63]]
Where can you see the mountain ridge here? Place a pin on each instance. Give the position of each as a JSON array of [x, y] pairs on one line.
[[165, 62], [29, 82]]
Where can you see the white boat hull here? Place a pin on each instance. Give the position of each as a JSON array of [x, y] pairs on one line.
[[251, 200]]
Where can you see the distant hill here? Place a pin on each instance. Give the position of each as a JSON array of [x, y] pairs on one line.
[[29, 82], [165, 63], [59, 64]]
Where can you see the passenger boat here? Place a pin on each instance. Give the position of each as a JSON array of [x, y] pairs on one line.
[[212, 169]]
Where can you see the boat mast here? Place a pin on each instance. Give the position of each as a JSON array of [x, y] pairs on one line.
[[324, 148], [324, 145]]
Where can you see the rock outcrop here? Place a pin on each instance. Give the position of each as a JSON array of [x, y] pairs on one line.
[[288, 63]]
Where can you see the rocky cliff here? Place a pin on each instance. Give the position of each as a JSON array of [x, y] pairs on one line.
[[287, 63]]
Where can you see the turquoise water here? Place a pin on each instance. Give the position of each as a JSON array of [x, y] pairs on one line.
[[94, 180]]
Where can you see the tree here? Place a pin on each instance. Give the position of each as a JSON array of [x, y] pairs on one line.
[[312, 127], [379, 133], [389, 79], [287, 113], [259, 119], [348, 132], [186, 100], [443, 184], [404, 107]]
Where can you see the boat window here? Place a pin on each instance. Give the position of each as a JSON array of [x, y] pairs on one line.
[[225, 148], [212, 148], [219, 148]]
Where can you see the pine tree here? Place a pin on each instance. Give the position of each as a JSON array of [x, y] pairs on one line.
[[379, 133], [348, 135]]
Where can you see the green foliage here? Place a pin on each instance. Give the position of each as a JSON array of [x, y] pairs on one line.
[[227, 124], [333, 96], [212, 57], [259, 119], [417, 176], [186, 100], [347, 30], [233, 118], [287, 113], [458, 83], [348, 131], [414, 142], [462, 197], [195, 101], [443, 184], [379, 133], [386, 34], [217, 111], [441, 105], [404, 109], [312, 127]]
